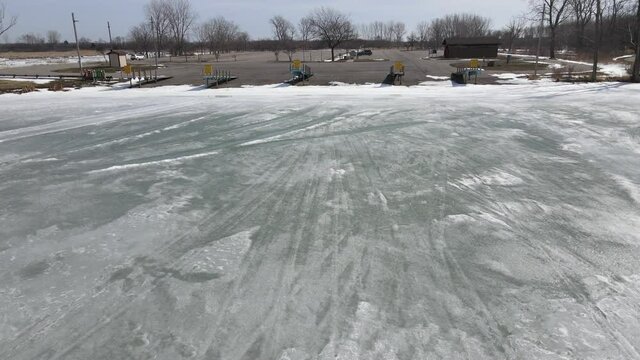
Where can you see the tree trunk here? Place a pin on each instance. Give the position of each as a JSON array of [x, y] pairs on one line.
[[332, 57], [552, 44], [635, 77], [597, 40], [580, 44]]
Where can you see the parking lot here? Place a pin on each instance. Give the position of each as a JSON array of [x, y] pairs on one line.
[[261, 68]]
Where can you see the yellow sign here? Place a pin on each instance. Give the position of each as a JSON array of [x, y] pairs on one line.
[[127, 69], [398, 66], [296, 64], [474, 64], [208, 70]]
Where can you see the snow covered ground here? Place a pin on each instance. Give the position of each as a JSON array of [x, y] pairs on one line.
[[610, 69], [11, 63], [35, 81], [321, 223]]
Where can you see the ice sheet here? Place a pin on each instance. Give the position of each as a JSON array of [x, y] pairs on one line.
[[347, 222]]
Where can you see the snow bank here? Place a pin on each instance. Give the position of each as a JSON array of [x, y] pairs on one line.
[[12, 63], [435, 77], [35, 81]]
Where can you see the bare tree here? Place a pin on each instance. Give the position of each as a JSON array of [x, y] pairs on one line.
[[556, 14], [377, 30], [462, 25], [583, 11], [388, 31], [614, 9], [11, 22], [157, 13], [422, 30], [305, 28], [398, 30], [635, 75], [141, 36], [513, 31], [241, 40], [31, 39], [437, 32], [53, 37], [598, 38], [218, 34], [284, 32], [332, 27], [180, 18], [412, 40]]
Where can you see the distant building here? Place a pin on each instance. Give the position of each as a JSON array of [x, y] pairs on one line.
[[477, 47], [117, 58]]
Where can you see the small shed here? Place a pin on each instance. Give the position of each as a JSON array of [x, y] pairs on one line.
[[475, 47], [117, 58]]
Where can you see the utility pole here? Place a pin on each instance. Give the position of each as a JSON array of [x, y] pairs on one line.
[[540, 31], [110, 41], [157, 49], [75, 32]]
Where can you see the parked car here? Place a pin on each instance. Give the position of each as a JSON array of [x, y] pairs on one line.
[[137, 57], [367, 52]]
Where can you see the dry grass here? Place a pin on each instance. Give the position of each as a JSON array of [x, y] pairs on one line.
[[10, 85], [106, 68], [45, 54], [20, 87]]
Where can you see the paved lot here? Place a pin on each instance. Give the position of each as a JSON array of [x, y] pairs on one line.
[[260, 68]]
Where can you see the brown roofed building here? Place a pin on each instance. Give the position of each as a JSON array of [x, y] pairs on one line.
[[477, 47]]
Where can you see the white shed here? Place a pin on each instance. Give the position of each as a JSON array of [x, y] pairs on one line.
[[117, 58]]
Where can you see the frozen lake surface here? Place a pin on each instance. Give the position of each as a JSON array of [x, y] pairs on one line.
[[479, 222]]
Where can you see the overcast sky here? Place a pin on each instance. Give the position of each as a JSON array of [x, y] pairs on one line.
[[252, 16]]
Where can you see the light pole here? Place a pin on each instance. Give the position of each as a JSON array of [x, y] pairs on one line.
[[75, 32]]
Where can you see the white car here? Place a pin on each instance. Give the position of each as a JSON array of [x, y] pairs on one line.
[[137, 57]]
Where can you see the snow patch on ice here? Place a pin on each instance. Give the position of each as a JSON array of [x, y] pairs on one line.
[[572, 147], [378, 199], [220, 256], [151, 163], [459, 218], [629, 186], [285, 135], [492, 219], [494, 178], [40, 160], [336, 173], [497, 267], [500, 178]]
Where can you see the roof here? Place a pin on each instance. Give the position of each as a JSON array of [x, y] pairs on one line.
[[472, 41], [119, 52]]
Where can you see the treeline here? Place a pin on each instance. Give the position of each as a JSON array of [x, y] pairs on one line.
[[575, 25], [171, 26]]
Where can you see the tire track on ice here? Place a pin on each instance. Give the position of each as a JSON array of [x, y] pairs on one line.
[[451, 267], [276, 211], [171, 253]]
